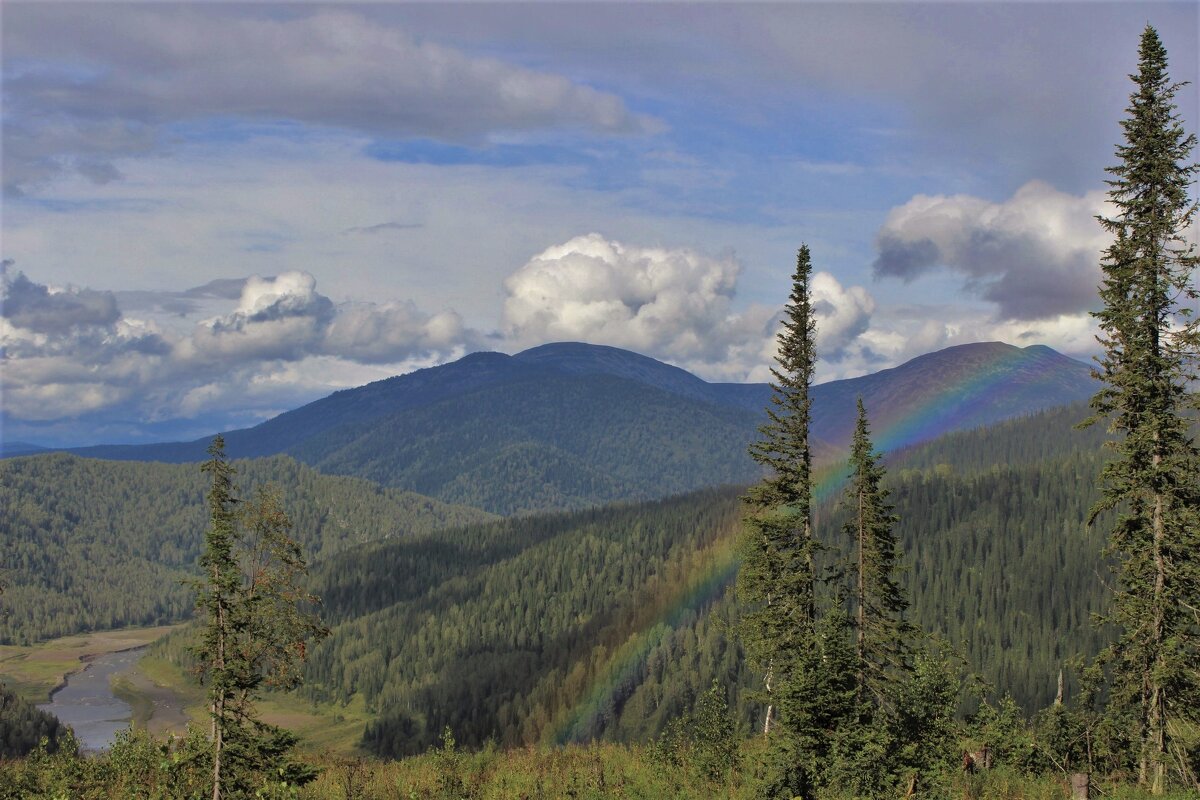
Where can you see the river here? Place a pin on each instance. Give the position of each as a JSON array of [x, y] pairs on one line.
[[87, 702]]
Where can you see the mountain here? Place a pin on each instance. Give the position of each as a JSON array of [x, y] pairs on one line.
[[959, 388], [566, 442], [569, 425], [13, 448]]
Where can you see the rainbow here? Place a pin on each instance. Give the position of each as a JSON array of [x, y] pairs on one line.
[[710, 572], [958, 406], [714, 568], [960, 403]]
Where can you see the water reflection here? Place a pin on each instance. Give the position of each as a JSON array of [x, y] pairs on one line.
[[88, 705]]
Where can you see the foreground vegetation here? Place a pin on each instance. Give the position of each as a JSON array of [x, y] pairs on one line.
[[140, 767]]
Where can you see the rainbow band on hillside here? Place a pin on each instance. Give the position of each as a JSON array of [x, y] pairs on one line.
[[984, 384], [715, 567]]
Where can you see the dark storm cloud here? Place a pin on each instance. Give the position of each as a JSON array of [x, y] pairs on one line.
[[34, 307], [899, 258]]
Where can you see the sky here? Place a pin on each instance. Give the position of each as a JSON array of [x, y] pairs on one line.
[[216, 212]]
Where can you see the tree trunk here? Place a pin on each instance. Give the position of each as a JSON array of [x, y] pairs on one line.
[[770, 706], [862, 598], [1158, 711], [218, 706]]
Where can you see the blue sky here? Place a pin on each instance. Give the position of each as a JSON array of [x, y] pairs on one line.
[[214, 212]]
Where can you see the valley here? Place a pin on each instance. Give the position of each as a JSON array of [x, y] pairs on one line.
[[564, 627], [574, 625]]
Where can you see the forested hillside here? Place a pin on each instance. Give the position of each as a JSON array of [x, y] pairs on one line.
[[608, 623], [1033, 439], [569, 443], [1004, 565], [23, 725], [93, 544], [512, 648], [991, 522]]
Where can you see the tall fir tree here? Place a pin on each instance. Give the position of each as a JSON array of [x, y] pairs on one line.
[[216, 598], [882, 635], [1150, 357], [256, 625], [777, 577]]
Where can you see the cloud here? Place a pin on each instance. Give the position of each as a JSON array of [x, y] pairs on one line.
[[68, 350], [224, 288], [36, 308], [40, 142], [170, 307], [381, 333], [1020, 90], [843, 315], [1017, 89], [276, 318], [1035, 256], [87, 84], [383, 227], [71, 352], [285, 318], [672, 303]]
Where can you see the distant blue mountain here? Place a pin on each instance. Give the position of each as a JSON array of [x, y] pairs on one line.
[[8, 449], [569, 425]]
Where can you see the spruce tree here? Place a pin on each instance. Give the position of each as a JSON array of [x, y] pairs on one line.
[[215, 601], [1150, 357], [777, 577], [256, 625], [882, 636]]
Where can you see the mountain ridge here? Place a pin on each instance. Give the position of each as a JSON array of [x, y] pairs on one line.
[[568, 425]]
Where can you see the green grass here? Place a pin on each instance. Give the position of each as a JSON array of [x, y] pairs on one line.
[[322, 727], [586, 772], [596, 771], [166, 674], [578, 772]]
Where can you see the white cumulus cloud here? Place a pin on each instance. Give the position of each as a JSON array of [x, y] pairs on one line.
[[671, 303], [285, 318], [1035, 255], [70, 352]]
